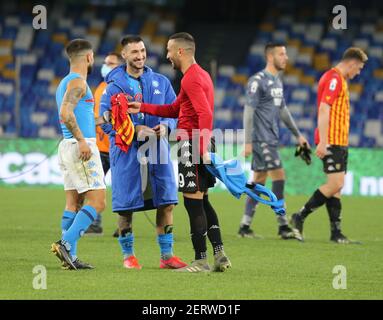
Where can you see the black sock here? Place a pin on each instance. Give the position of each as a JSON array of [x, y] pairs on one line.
[[213, 230], [278, 187], [317, 199], [334, 208], [198, 226]]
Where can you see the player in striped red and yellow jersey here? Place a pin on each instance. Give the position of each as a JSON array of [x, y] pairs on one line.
[[331, 138], [333, 91]]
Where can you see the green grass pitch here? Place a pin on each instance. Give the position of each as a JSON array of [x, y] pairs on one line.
[[262, 269]]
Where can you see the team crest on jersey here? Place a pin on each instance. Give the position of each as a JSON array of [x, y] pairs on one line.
[[155, 83], [333, 84]]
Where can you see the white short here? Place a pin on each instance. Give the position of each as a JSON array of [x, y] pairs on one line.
[[80, 175]]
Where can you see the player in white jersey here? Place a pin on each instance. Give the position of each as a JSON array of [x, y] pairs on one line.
[[79, 158]]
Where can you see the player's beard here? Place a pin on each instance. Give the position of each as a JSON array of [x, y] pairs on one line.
[[176, 65], [279, 67], [90, 69], [133, 65]]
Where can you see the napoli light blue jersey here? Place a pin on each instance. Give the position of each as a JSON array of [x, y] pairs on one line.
[[135, 94], [84, 111]]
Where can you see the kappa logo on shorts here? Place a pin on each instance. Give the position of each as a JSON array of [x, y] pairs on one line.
[[329, 160], [277, 162], [187, 154], [188, 164], [91, 164], [331, 168], [186, 144], [191, 184], [190, 175]]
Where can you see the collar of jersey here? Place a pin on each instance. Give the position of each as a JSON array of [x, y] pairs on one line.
[[131, 77], [268, 73], [338, 72]]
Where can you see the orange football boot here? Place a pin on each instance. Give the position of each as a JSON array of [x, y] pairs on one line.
[[131, 262]]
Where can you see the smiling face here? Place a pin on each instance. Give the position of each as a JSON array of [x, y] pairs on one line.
[[174, 54], [135, 55]]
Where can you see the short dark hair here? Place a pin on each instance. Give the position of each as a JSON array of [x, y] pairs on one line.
[[272, 45], [185, 38], [182, 36], [355, 53], [76, 46], [130, 38], [116, 54]]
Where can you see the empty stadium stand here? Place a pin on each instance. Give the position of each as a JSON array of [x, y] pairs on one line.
[[313, 46]]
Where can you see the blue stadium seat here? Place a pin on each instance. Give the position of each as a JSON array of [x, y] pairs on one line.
[[9, 33], [36, 96]]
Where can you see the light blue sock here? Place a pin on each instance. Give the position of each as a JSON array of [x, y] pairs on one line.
[[80, 224], [166, 245], [126, 243], [67, 220]]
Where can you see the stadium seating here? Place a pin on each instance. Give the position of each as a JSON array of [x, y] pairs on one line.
[[43, 63], [312, 46]]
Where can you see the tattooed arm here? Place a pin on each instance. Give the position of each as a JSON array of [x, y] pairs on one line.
[[76, 89]]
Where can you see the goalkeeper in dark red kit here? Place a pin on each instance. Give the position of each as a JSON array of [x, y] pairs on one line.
[[194, 108]]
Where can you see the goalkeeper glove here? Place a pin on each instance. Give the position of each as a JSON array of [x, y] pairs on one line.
[[304, 152]]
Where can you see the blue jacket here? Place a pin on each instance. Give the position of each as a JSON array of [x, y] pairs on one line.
[[127, 173]]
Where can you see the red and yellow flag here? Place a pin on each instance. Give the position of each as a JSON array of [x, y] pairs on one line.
[[121, 122]]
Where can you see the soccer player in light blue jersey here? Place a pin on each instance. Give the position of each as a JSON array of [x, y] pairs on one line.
[[79, 158]]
